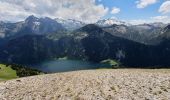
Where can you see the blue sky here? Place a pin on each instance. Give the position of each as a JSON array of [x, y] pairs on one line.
[[129, 10], [89, 11]]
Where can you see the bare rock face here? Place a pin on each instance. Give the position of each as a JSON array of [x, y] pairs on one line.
[[119, 84]]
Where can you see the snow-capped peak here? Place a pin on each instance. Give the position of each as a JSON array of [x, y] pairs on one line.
[[70, 24], [60, 20], [37, 23], [111, 21], [158, 24]]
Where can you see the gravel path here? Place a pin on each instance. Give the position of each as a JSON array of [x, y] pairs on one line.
[[118, 84]]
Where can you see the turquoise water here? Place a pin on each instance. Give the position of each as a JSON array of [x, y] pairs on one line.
[[68, 65]]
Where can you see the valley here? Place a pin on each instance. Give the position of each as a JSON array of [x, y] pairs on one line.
[[54, 66], [37, 40], [84, 49]]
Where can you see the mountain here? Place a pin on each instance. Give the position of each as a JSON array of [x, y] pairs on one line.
[[158, 24], [89, 43], [32, 25], [39, 39], [163, 46], [2, 29], [100, 45], [165, 33], [110, 22], [142, 33], [40, 26], [30, 49], [9, 29], [70, 24]]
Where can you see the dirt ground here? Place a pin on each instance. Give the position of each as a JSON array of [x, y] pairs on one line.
[[103, 84]]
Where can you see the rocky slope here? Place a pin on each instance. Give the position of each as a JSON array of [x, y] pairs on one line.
[[119, 84]]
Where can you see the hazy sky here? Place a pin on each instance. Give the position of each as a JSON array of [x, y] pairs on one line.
[[134, 11]]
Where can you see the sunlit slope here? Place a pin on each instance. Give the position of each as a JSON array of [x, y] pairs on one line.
[[6, 72]]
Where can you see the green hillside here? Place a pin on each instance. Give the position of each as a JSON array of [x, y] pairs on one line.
[[7, 73], [13, 71]]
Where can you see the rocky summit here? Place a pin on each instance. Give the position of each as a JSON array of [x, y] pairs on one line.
[[102, 84]]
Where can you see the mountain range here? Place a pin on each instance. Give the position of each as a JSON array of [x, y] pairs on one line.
[[38, 39]]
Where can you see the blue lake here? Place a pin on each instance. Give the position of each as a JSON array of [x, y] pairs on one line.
[[68, 65]]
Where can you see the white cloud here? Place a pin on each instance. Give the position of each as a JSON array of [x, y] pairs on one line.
[[165, 7], [145, 3], [163, 19], [159, 17], [84, 10], [138, 21], [115, 10]]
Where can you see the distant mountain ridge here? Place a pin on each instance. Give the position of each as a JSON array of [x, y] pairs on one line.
[[42, 25], [31, 25], [110, 22], [70, 24], [45, 39]]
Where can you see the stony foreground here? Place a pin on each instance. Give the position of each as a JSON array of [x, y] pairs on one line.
[[120, 84]]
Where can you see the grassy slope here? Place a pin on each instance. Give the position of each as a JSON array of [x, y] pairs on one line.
[[13, 71], [111, 62], [7, 73]]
